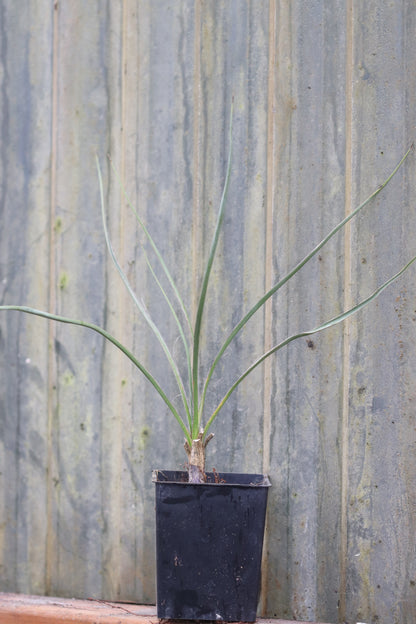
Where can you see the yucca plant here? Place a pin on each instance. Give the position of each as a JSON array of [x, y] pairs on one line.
[[191, 416]]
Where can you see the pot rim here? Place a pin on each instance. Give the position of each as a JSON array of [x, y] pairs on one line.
[[222, 479]]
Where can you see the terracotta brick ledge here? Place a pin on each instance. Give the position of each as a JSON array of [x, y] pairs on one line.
[[22, 609]]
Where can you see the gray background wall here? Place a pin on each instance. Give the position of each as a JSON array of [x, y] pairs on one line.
[[324, 109]]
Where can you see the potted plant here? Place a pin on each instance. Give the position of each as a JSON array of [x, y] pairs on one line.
[[207, 569]]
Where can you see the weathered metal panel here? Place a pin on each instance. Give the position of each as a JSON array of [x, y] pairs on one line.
[[323, 110]]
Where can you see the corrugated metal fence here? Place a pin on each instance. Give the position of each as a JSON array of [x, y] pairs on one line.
[[324, 109]]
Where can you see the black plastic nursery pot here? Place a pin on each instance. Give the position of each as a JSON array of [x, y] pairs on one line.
[[209, 540]]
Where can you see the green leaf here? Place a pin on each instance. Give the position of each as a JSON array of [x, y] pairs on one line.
[[260, 303], [116, 343], [155, 249], [201, 304], [140, 306], [326, 325]]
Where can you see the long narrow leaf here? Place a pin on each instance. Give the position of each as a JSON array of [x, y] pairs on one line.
[[138, 303], [330, 323], [156, 251], [201, 304], [175, 316], [297, 268], [115, 342]]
